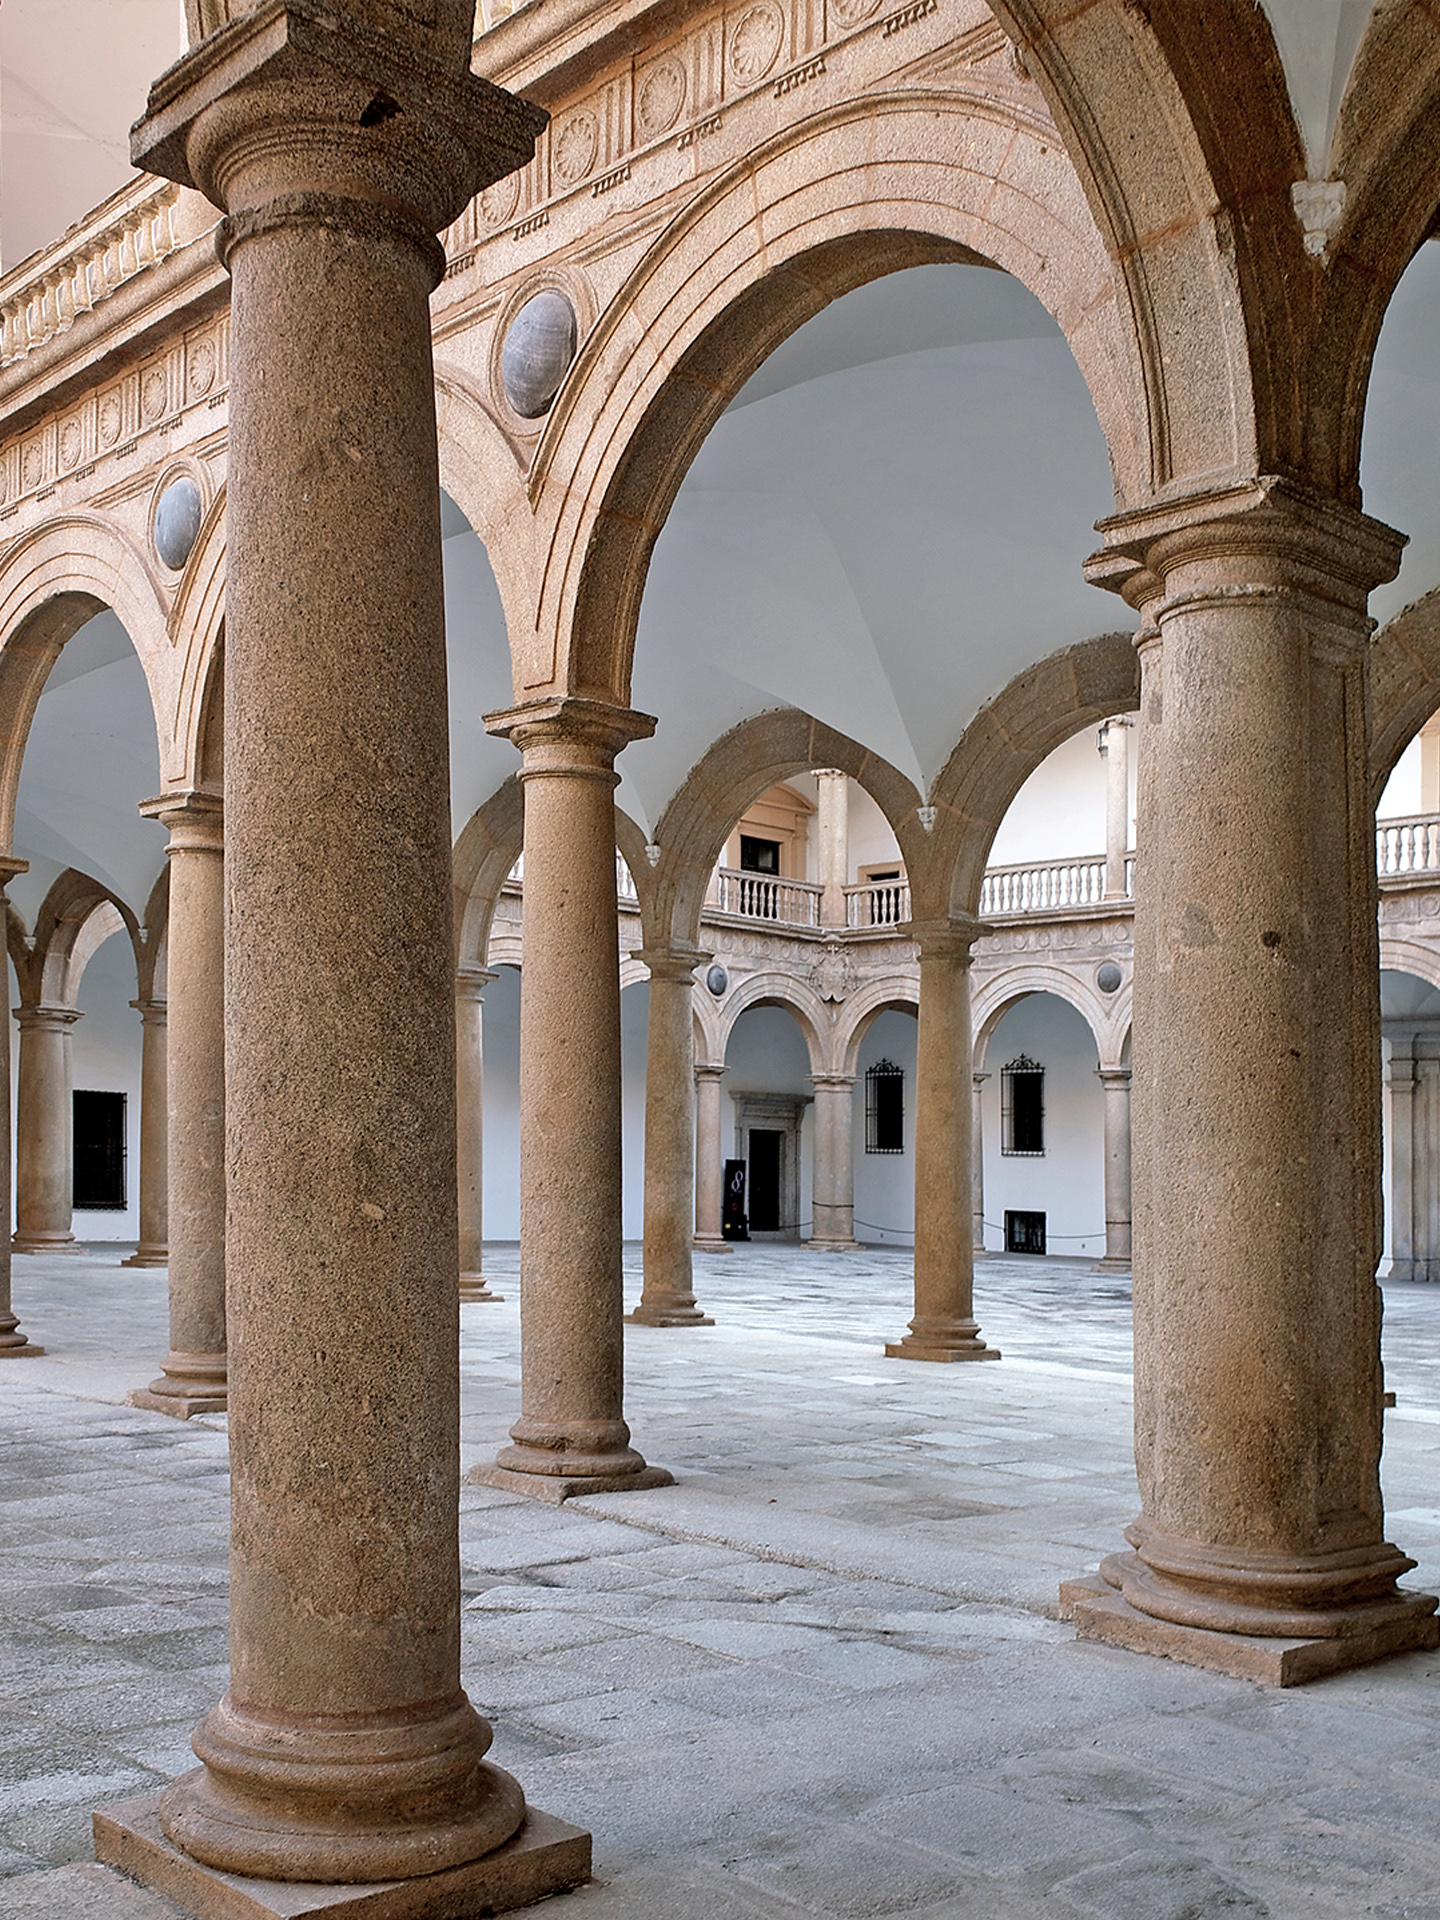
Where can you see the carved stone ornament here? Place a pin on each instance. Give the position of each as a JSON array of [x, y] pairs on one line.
[[833, 976], [498, 202], [576, 144], [661, 95], [539, 347], [850, 13], [755, 41]]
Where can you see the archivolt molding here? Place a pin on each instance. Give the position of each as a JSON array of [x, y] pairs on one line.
[[196, 623], [1399, 955], [76, 916], [859, 190], [1108, 1019], [1003, 745], [778, 989], [484, 475], [740, 766], [486, 849], [862, 1009], [52, 580], [1404, 663]]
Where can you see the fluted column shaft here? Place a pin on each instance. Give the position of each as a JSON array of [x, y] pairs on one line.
[[152, 1250], [832, 1187], [944, 1326], [1116, 1082], [1256, 1084], [44, 1132], [345, 1749], [668, 1299], [194, 1375], [709, 1170], [571, 1435], [14, 1345], [470, 985]]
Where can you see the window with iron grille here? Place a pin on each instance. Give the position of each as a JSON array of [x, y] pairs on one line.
[[1022, 1107], [885, 1108], [98, 1150]]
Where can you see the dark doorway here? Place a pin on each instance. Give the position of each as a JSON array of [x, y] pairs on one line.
[[765, 1148], [99, 1150], [1024, 1232], [734, 1225]]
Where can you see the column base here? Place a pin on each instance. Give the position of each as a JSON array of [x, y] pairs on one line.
[[1115, 1265], [473, 1287], [1101, 1613], [913, 1347], [19, 1348], [663, 1316], [832, 1246], [38, 1243], [546, 1856], [153, 1255], [179, 1406], [190, 1383], [557, 1487], [702, 1243]]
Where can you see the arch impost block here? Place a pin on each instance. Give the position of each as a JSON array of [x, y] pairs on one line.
[[398, 116], [671, 963], [194, 816], [47, 1019], [951, 939], [567, 733], [10, 866], [471, 982], [1265, 531], [843, 1081], [151, 1012]]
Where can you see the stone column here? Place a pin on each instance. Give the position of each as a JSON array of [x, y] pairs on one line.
[[832, 1190], [709, 1167], [470, 985], [1115, 739], [1260, 1548], [1400, 1085], [977, 1161], [1116, 1082], [153, 1250], [194, 1372], [345, 1750], [44, 1132], [833, 827], [668, 1299], [14, 1345], [571, 1436], [944, 1326]]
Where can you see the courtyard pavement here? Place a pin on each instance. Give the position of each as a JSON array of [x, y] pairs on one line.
[[820, 1676]]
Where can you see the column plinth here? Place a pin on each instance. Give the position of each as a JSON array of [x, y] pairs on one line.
[[44, 1176], [944, 1327], [1116, 1082], [345, 1751], [193, 1376], [470, 985], [571, 1436], [668, 1298], [709, 1172], [14, 1345], [153, 1249], [1260, 1547], [832, 1189]]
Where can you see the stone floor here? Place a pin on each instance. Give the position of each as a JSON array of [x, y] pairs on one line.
[[820, 1676]]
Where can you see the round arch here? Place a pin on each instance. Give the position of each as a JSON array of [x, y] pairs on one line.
[[776, 989], [806, 217], [1410, 956], [51, 582], [1404, 666], [1109, 1026], [197, 629], [899, 993], [76, 916]]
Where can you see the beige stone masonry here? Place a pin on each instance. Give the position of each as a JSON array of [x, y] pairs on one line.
[[668, 1296]]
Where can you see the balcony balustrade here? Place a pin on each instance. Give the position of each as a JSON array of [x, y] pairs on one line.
[[1408, 846], [877, 903]]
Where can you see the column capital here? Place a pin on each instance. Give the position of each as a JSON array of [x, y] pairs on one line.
[[707, 1070], [1113, 1076], [302, 113], [1267, 534], [194, 816], [471, 982], [10, 866], [562, 734], [152, 1012], [978, 1080], [843, 1081], [46, 1019], [950, 939], [671, 963]]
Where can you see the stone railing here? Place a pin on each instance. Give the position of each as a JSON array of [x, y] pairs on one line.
[[132, 230], [877, 903], [1411, 845], [793, 903], [1051, 887]]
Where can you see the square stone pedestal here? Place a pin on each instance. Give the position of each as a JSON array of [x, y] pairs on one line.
[[1100, 1613], [546, 1856], [179, 1406], [28, 1352], [917, 1350], [556, 1487]]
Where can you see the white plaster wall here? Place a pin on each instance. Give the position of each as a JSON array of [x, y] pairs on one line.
[[1402, 790], [885, 1182], [1067, 1183], [767, 1054], [1060, 810], [501, 1031], [871, 840], [105, 1058]]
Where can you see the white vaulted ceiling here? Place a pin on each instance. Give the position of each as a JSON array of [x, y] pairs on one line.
[[1317, 40]]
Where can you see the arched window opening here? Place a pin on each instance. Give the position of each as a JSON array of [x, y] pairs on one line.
[[885, 1108], [1022, 1107]]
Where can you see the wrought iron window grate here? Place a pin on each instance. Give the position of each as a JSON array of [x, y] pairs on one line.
[[885, 1108], [1022, 1108]]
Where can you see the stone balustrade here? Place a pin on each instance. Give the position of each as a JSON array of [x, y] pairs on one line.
[[1051, 886], [758, 896], [1410, 845], [877, 903], [133, 230]]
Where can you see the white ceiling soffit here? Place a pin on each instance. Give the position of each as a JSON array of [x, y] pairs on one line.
[[1317, 41]]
